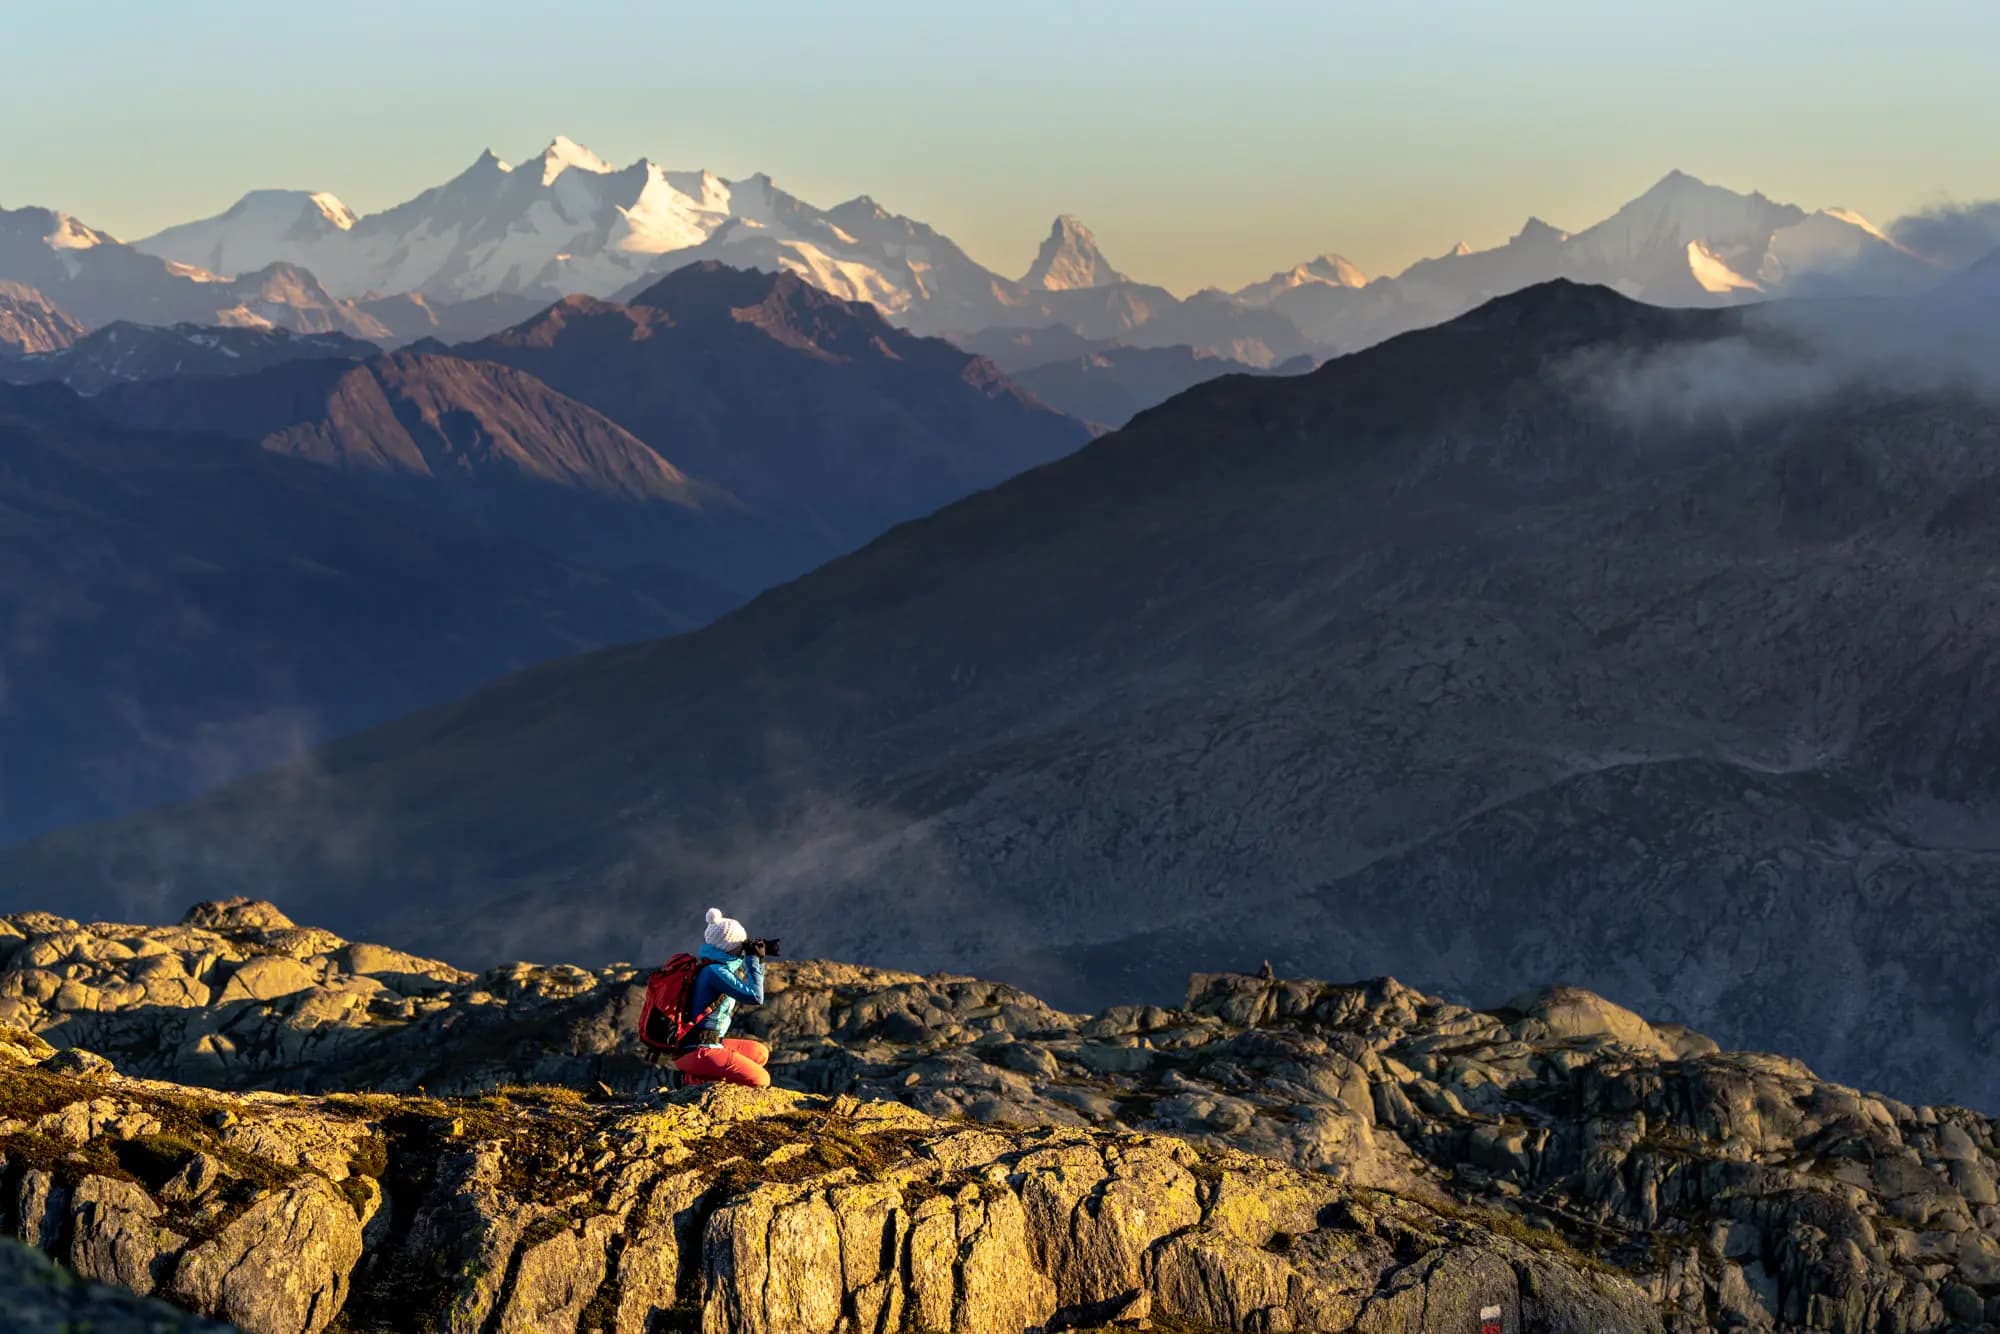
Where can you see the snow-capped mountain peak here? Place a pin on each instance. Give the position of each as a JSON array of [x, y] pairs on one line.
[[564, 153], [307, 211], [1837, 247], [1328, 268], [567, 221], [332, 209], [1321, 271], [1536, 232], [262, 227], [1853, 219], [1713, 275], [1680, 208], [69, 234], [1069, 260]]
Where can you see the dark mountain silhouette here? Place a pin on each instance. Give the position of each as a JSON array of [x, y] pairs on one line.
[[123, 352], [1516, 649], [179, 608], [825, 421]]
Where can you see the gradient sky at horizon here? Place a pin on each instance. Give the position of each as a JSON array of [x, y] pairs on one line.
[[1202, 147]]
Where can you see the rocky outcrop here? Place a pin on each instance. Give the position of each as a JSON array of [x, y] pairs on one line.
[[741, 1211], [40, 1297], [1734, 1188]]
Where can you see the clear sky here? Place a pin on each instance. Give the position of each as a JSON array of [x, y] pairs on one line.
[[1203, 142]]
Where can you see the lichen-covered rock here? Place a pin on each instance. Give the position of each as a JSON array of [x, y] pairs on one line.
[[236, 914], [115, 1234], [38, 1296], [753, 1211], [1736, 1189], [282, 1266]]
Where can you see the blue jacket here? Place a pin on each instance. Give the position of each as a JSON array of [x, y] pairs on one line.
[[729, 978]]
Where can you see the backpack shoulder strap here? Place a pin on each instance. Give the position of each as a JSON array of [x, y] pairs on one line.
[[695, 1021]]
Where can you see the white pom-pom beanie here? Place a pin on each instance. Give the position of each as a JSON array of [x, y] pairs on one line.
[[725, 933]]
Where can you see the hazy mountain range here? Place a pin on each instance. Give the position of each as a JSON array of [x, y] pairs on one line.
[[1573, 638], [180, 608], [95, 279], [123, 352], [248, 540], [487, 247], [1110, 385], [1643, 647]]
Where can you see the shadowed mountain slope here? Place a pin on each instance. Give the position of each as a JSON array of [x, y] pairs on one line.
[[1477, 655], [180, 608], [817, 414], [480, 441], [122, 352], [744, 427]]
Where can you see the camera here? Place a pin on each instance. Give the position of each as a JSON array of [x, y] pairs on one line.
[[766, 948]]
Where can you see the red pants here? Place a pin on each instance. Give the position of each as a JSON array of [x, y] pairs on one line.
[[736, 1061]]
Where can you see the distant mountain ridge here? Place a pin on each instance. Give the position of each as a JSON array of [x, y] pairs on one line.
[[1668, 698], [1113, 385], [565, 221], [122, 352], [815, 413], [183, 608], [410, 413], [246, 539], [489, 445], [98, 279], [739, 425]]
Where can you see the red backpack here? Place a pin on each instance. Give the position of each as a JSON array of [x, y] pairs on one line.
[[664, 1022]]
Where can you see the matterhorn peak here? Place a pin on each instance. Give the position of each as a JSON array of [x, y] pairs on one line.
[[1069, 259]]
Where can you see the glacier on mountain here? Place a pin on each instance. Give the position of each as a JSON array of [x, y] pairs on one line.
[[567, 221]]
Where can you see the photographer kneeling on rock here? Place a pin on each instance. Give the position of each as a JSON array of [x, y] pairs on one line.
[[732, 970]]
